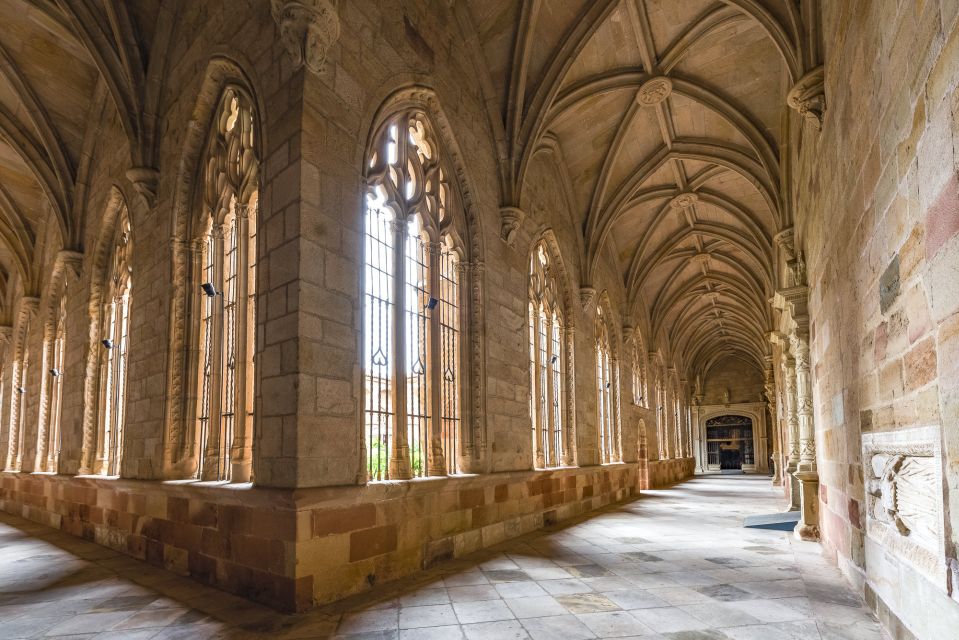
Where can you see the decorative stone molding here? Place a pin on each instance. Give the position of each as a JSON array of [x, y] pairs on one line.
[[145, 181], [587, 295], [684, 200], [903, 477], [654, 91], [808, 97], [308, 28], [510, 220]]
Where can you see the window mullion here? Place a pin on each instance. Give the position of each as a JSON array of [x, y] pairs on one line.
[[436, 460], [399, 464]]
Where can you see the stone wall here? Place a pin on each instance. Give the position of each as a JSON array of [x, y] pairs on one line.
[[664, 473], [294, 550], [743, 382], [878, 215]]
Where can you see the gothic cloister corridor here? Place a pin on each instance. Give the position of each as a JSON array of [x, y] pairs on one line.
[[673, 564], [418, 318]]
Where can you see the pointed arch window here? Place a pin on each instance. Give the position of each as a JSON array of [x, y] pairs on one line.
[[48, 451], [115, 329], [607, 392], [548, 362], [225, 279], [412, 306]]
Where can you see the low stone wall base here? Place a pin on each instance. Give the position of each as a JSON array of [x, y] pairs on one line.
[[294, 550], [663, 473]]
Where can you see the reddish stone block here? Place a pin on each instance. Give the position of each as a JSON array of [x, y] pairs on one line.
[[372, 542], [853, 509], [202, 567], [202, 513], [274, 524], [303, 593], [235, 519], [214, 544], [501, 493], [178, 509], [470, 498], [920, 364], [188, 536], [942, 219], [330, 521], [250, 551]]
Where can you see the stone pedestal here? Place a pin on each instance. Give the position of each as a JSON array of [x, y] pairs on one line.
[[794, 487], [808, 526]]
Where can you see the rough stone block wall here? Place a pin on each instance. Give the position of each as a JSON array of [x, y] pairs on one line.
[[878, 208], [744, 383]]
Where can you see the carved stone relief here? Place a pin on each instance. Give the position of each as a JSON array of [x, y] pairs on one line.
[[904, 497], [308, 28]]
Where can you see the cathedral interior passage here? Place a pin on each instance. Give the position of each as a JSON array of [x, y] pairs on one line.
[[472, 319]]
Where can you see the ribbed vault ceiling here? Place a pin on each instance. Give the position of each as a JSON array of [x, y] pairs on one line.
[[669, 115], [61, 63]]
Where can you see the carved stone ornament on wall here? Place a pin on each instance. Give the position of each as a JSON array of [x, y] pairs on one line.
[[808, 97], [308, 28], [510, 220], [904, 497]]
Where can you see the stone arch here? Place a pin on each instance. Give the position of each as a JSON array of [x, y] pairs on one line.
[[414, 94], [223, 73], [98, 273]]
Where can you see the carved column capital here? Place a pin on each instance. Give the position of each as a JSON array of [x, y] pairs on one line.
[[510, 220], [808, 97], [308, 28]]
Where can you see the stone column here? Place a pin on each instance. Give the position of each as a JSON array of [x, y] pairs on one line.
[[770, 389], [539, 456], [435, 456], [569, 340], [699, 440], [792, 462], [241, 464], [399, 463], [806, 473], [211, 449]]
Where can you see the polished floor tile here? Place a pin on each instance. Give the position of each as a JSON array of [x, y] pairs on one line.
[[675, 564]]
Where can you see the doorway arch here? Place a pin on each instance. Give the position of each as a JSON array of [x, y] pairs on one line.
[[730, 443]]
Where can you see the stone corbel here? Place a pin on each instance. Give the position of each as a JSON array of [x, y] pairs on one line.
[[808, 97], [145, 181], [587, 295], [70, 264], [628, 333], [510, 220], [308, 28]]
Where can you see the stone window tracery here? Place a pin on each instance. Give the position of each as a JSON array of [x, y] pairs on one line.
[[607, 391], [115, 329], [413, 319], [548, 362], [224, 270]]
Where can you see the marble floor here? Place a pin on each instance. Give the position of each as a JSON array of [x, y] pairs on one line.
[[673, 564]]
